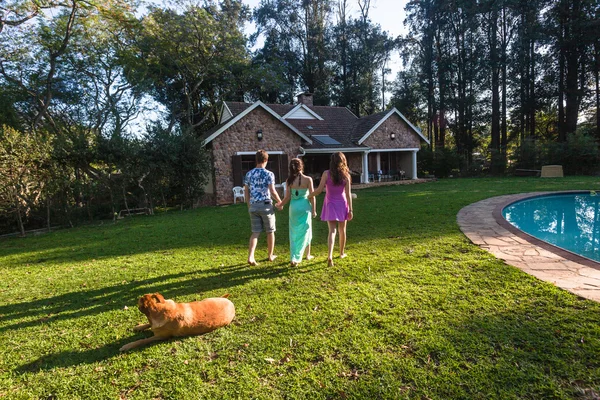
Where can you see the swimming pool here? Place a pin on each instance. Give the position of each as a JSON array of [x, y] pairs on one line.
[[570, 221]]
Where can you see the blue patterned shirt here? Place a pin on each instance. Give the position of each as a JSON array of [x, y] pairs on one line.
[[258, 181]]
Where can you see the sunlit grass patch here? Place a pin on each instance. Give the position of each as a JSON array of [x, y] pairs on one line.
[[415, 311]]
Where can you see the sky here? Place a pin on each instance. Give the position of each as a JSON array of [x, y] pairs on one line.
[[389, 14]]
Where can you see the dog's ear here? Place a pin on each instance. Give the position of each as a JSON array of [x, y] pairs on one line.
[[158, 298], [144, 303]]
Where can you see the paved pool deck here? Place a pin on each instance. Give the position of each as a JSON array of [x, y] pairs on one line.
[[483, 224]]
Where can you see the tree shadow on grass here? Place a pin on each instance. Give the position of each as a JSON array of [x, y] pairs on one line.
[[532, 352], [71, 358], [93, 302], [105, 353]]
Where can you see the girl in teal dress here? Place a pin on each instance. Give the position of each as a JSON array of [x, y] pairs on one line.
[[301, 212]]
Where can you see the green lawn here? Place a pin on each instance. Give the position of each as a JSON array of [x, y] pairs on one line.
[[415, 311]]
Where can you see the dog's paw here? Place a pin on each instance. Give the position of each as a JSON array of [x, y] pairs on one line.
[[125, 348]]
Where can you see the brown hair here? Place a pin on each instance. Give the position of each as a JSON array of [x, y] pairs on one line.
[[261, 156], [338, 168], [296, 168]]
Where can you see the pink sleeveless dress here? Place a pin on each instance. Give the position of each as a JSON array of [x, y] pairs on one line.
[[335, 205]]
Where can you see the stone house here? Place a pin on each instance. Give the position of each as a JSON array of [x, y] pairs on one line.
[[378, 146]]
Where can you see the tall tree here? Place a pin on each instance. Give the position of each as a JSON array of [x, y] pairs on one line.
[[301, 27]]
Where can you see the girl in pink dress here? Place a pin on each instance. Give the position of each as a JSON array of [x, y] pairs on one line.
[[337, 206]]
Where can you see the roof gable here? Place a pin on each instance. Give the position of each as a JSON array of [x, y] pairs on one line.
[[377, 123], [226, 114], [216, 131], [301, 111]]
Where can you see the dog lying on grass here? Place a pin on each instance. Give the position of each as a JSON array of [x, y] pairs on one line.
[[168, 318]]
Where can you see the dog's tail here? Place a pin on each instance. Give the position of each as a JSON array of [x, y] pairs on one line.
[[226, 295]]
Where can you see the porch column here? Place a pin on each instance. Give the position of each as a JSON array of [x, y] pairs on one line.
[[365, 167], [378, 161], [414, 164]]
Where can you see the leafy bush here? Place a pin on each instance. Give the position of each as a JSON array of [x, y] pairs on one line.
[[425, 161], [579, 155], [444, 161], [527, 156]]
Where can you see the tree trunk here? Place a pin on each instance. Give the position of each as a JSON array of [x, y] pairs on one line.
[[562, 135], [151, 202], [125, 200], [532, 107], [441, 137], [597, 78], [495, 129], [48, 213], [503, 127], [572, 76], [20, 219], [112, 203], [164, 200]]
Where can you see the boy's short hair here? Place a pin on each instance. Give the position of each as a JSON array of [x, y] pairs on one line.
[[261, 156]]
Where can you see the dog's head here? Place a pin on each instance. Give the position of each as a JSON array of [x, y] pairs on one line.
[[148, 302]]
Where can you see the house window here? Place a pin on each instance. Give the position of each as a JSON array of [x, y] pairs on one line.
[[248, 162], [242, 164]]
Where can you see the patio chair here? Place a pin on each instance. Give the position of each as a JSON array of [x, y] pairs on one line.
[[238, 192]]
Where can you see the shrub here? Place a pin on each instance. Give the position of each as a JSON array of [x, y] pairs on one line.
[[581, 155], [444, 161]]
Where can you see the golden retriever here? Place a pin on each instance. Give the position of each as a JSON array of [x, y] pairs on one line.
[[168, 318]]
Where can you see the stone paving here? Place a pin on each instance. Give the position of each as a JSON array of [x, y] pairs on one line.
[[483, 224]]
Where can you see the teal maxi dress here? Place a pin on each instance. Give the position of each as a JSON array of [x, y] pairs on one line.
[[300, 223]]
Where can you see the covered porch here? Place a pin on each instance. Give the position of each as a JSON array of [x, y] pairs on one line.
[[367, 165], [389, 165]]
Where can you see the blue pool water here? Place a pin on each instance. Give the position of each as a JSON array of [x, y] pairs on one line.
[[570, 221]]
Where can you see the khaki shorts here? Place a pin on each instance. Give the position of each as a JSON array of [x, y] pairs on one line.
[[262, 217]]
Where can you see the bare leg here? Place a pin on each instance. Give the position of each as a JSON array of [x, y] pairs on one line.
[[142, 327], [331, 241], [308, 255], [252, 247], [271, 245], [141, 342], [342, 226]]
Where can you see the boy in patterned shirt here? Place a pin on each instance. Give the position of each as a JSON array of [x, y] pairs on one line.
[[259, 186]]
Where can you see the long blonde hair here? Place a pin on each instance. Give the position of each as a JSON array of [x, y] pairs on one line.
[[338, 168]]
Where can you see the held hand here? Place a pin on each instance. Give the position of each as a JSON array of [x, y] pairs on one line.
[[350, 215], [314, 214], [279, 206]]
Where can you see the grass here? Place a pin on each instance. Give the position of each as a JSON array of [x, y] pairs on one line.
[[416, 311]]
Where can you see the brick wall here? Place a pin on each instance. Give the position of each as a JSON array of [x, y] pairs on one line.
[[241, 136], [354, 161]]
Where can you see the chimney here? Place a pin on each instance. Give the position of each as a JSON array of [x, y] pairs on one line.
[[305, 98]]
